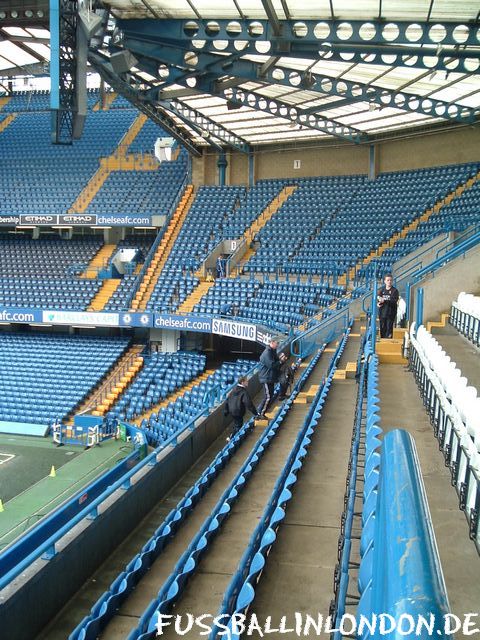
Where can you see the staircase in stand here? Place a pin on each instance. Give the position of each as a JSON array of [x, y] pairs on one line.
[[108, 288], [266, 215], [108, 101], [126, 365], [162, 253], [99, 260], [390, 350], [194, 298], [6, 121]]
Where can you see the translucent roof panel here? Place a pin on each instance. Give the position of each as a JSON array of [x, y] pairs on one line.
[[322, 80]]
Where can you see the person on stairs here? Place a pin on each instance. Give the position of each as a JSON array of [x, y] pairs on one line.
[[237, 404], [268, 375], [387, 300]]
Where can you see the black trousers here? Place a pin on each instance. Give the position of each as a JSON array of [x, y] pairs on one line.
[[386, 327], [237, 424], [268, 388]]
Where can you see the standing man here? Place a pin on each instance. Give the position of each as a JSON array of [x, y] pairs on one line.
[[387, 301], [238, 402], [268, 375]]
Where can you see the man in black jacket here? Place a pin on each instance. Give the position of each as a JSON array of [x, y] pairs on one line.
[[238, 402], [387, 300], [268, 375]]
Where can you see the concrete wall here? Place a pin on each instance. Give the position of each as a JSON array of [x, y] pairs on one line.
[[441, 288], [435, 149]]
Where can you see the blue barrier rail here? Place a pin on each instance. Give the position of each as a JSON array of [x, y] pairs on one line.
[[406, 577], [21, 553], [332, 327], [105, 608], [42, 539]]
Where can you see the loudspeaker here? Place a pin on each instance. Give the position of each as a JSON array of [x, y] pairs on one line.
[[123, 61]]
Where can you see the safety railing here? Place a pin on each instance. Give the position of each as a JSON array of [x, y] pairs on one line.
[[40, 540], [333, 326], [50, 531], [101, 394]]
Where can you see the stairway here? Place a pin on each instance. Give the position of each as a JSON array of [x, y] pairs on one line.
[[160, 257], [100, 260], [91, 189], [264, 217], [120, 160], [390, 350], [4, 100], [195, 297], [411, 226], [6, 121], [438, 324], [120, 386], [111, 381], [109, 98], [132, 133], [109, 286], [174, 396]]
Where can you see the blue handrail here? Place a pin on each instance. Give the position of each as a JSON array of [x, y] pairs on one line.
[[407, 576]]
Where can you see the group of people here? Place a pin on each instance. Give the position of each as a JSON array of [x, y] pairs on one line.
[[272, 367]]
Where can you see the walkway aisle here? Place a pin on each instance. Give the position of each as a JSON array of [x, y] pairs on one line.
[[299, 573], [401, 407]]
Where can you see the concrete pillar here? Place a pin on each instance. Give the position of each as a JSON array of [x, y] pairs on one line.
[[372, 162], [113, 235], [222, 167], [251, 169]]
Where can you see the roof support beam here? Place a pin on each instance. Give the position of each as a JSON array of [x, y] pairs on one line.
[[119, 84], [372, 32], [214, 65], [272, 17], [294, 114], [202, 123]]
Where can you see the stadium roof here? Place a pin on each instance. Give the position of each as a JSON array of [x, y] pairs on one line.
[[252, 72]]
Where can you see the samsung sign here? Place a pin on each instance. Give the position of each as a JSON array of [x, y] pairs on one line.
[[234, 329]]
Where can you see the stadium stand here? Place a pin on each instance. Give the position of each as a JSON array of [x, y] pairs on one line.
[[49, 375]]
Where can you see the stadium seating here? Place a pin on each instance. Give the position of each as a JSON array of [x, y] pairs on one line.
[[200, 233], [454, 410], [169, 420], [141, 192], [162, 374], [45, 377], [40, 273], [465, 316], [299, 219], [37, 177]]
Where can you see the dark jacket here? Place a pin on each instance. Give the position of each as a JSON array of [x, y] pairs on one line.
[[238, 402], [269, 369], [388, 308]]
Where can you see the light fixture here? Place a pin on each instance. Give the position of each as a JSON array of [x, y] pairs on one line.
[[14, 13], [3, 15]]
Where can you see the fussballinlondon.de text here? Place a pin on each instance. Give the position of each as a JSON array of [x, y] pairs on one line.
[[303, 625]]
